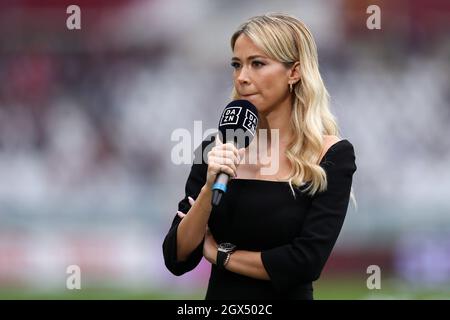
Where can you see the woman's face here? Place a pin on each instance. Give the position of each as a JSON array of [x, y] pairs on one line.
[[258, 78]]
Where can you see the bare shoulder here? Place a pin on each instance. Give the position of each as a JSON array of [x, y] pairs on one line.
[[329, 140]]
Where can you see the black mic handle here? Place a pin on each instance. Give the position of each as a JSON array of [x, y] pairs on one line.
[[219, 188]]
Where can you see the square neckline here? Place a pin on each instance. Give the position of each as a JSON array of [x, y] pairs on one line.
[[286, 181]]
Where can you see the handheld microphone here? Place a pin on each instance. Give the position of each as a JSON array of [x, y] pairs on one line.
[[237, 125]]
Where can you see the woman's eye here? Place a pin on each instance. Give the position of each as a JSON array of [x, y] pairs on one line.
[[254, 63], [235, 65], [258, 63]]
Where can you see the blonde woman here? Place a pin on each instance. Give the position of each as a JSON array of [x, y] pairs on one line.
[[271, 235]]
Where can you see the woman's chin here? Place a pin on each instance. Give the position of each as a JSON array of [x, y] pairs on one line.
[[255, 100], [252, 98]]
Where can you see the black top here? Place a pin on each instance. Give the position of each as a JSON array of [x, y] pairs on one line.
[[295, 235]]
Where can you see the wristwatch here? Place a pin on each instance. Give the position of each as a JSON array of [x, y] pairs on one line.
[[224, 251]]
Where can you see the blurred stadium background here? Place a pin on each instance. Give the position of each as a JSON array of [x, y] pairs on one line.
[[86, 118]]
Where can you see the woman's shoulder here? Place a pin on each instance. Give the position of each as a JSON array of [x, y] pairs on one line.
[[332, 144], [329, 141], [339, 155]]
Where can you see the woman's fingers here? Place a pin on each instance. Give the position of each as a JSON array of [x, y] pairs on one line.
[[218, 141], [227, 156], [222, 158], [217, 168], [191, 202], [226, 169], [224, 161], [241, 153], [225, 150]]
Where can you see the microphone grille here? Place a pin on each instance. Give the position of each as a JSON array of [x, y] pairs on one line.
[[238, 123]]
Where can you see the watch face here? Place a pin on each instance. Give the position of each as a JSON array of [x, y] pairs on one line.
[[226, 247]]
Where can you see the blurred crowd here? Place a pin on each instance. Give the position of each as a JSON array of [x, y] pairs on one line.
[[86, 118]]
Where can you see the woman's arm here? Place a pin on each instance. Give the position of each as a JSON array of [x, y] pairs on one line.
[[195, 181], [247, 263], [191, 229]]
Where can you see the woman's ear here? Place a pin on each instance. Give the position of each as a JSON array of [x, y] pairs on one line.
[[294, 73]]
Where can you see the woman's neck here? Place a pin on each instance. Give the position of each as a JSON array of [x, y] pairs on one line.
[[278, 119]]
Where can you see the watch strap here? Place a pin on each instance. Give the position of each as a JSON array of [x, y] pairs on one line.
[[221, 258]]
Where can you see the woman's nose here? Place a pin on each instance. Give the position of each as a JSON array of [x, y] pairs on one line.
[[243, 76]]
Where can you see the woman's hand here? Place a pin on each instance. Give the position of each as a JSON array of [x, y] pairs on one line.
[[210, 244], [182, 214], [210, 247], [222, 158]]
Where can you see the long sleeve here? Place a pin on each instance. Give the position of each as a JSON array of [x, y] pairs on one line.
[[303, 259], [196, 180]]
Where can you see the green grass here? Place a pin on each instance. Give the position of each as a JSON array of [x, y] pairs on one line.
[[325, 288], [354, 289], [95, 294]]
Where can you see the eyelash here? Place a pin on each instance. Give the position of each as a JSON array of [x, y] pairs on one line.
[[236, 64]]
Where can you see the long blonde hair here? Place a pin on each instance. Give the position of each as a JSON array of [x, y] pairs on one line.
[[286, 39]]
